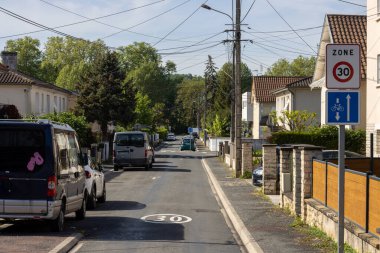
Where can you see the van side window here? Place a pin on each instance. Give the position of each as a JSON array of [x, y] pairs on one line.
[[137, 140], [62, 152], [73, 151]]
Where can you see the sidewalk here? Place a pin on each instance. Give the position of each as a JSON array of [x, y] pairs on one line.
[[261, 225]]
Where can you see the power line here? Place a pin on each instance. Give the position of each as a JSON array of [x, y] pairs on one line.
[[145, 21], [248, 10], [192, 51], [282, 49], [347, 2], [184, 47], [290, 26], [256, 61], [286, 31], [200, 62], [175, 28]]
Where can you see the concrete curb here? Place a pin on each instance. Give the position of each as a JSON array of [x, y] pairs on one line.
[[249, 242], [67, 244]]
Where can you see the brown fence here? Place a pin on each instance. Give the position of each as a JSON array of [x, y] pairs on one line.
[[361, 164], [361, 194]]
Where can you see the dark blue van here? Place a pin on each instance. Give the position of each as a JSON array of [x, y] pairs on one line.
[[41, 172]]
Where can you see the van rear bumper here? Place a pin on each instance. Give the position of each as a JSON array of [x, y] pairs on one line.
[[35, 209], [130, 162]]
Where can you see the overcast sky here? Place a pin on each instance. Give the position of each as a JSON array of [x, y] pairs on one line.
[[182, 31]]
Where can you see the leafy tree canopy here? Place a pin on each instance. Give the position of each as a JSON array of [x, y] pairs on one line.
[[301, 66], [28, 55]]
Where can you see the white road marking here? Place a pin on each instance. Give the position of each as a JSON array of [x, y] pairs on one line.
[[166, 218]]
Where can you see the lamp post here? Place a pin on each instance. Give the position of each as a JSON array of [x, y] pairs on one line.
[[235, 87]]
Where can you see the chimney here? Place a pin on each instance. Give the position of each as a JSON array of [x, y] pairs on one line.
[[9, 59]]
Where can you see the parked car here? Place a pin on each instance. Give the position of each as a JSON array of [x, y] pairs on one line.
[[257, 176], [334, 154], [95, 184], [188, 144], [171, 137], [132, 149], [41, 172]]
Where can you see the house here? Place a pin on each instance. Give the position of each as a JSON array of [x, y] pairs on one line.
[[373, 75], [264, 101], [247, 110], [342, 29], [30, 95], [298, 96]]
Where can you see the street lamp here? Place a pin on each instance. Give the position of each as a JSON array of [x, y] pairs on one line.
[[235, 88]]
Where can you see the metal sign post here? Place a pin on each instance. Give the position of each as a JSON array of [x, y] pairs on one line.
[[341, 165], [342, 107]]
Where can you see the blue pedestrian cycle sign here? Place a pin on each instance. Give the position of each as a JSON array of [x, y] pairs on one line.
[[343, 107]]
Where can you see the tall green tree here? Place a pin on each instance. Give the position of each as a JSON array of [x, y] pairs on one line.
[[65, 60], [301, 66], [28, 55], [143, 109], [104, 96]]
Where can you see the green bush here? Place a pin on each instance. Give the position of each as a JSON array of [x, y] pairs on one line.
[[163, 132], [78, 123], [326, 136], [246, 175]]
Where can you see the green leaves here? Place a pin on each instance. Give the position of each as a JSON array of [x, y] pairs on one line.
[[301, 66]]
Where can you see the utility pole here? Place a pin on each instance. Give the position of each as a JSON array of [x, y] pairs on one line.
[[232, 92], [238, 148]]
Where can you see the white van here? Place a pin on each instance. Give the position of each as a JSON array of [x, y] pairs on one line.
[[132, 149]]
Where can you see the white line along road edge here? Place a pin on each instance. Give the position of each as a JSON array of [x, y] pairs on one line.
[[249, 242]]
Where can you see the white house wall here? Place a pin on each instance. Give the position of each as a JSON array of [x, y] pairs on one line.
[[15, 95], [373, 85], [309, 100]]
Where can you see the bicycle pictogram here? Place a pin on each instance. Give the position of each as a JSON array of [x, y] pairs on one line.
[[337, 108]]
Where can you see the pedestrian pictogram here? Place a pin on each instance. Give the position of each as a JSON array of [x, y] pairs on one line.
[[343, 66]]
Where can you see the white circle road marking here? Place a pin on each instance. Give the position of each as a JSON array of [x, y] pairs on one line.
[[166, 218]]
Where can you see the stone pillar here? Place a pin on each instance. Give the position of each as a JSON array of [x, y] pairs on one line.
[[269, 169], [307, 155], [226, 147], [247, 157], [285, 168], [296, 187]]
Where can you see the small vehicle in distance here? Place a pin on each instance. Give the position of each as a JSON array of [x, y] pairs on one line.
[[171, 137], [187, 144], [334, 154], [95, 184]]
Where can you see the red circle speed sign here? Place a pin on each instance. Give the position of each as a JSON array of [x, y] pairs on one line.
[[343, 71]]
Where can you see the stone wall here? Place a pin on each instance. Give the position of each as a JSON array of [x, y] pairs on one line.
[[247, 162]]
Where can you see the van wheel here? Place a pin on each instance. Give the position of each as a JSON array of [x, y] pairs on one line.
[[58, 224], [115, 168], [81, 213], [146, 166], [91, 203], [102, 198]]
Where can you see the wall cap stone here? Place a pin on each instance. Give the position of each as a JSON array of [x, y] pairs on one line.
[[269, 145], [350, 226]]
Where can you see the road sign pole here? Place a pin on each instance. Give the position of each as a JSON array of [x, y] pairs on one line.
[[341, 166]]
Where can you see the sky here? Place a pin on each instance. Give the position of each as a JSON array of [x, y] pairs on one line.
[[181, 30]]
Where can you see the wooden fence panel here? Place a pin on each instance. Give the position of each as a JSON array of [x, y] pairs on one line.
[[361, 164], [374, 205], [332, 186], [319, 180], [355, 197]]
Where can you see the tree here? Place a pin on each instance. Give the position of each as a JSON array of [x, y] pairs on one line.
[[301, 66], [67, 59], [77, 122], [28, 55], [211, 82], [189, 102], [295, 121], [104, 97], [143, 109]]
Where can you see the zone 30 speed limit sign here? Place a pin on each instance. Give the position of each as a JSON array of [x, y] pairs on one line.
[[343, 66]]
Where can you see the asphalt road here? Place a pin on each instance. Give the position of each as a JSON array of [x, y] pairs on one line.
[[170, 208]]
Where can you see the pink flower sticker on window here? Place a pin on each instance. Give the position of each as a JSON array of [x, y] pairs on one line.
[[35, 159]]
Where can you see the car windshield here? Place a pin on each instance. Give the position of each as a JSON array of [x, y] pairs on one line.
[[21, 150]]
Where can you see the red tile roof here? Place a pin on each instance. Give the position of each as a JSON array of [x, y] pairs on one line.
[[263, 86], [13, 77], [350, 29]]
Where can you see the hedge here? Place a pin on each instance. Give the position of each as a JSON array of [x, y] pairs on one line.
[[326, 136]]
